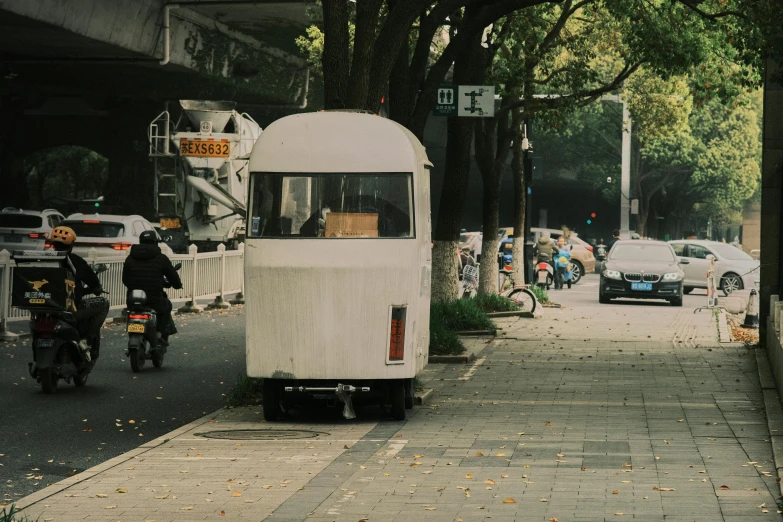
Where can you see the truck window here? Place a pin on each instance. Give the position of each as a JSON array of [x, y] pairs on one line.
[[333, 205]]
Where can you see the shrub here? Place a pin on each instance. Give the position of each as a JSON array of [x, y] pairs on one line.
[[461, 315], [12, 515], [495, 303], [540, 293], [443, 340]]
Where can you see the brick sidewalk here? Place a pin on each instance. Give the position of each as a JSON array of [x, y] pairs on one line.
[[578, 415]]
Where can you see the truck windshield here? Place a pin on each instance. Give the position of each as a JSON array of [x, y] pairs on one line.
[[333, 205]]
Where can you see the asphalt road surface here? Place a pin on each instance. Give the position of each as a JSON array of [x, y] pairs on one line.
[[45, 438]]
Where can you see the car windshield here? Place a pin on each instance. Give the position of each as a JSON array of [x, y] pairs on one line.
[[641, 252], [334, 205], [95, 229], [730, 252], [463, 238], [20, 221]]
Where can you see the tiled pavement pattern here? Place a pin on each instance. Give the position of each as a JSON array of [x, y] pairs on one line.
[[589, 413]]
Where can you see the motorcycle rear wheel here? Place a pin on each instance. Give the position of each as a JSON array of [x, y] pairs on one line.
[[136, 359], [48, 380]]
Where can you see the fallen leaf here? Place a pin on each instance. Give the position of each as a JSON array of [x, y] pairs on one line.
[[724, 487], [236, 494], [109, 507], [584, 468], [553, 519], [656, 488], [500, 455], [509, 500], [503, 476], [102, 495], [121, 490], [161, 497], [87, 430], [479, 454], [544, 500], [418, 456], [615, 492], [469, 476], [430, 508], [188, 508], [489, 481], [222, 513], [548, 424]]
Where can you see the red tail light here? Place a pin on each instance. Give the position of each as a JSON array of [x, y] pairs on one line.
[[37, 235], [45, 324], [91, 221], [144, 317], [543, 266], [588, 247], [397, 337], [508, 268], [121, 246], [48, 244]]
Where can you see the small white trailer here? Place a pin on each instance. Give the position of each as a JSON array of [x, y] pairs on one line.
[[338, 261]]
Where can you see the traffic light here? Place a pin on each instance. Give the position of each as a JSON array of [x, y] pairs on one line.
[[97, 204], [589, 221], [592, 215]]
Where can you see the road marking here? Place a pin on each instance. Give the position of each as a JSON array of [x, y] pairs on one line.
[[473, 369], [394, 448]]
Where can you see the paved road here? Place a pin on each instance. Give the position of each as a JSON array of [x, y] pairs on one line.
[[49, 437], [626, 411]]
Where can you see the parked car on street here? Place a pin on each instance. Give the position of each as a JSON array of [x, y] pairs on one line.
[[735, 268], [642, 269], [107, 234], [26, 229]]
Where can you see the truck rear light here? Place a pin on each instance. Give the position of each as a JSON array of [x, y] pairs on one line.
[[397, 334], [121, 246]]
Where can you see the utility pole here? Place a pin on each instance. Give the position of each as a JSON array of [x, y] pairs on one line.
[[625, 177]]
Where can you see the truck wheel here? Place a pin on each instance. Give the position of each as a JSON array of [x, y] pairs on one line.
[[271, 400], [48, 380], [397, 391], [410, 394]]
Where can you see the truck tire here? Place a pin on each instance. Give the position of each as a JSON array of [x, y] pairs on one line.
[[271, 400], [410, 394], [397, 392]]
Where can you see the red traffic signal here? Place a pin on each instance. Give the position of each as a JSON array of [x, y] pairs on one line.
[[592, 215]]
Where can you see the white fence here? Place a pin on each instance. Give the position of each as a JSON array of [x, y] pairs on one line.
[[208, 275]]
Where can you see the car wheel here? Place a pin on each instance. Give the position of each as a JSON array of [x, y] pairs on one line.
[[601, 297], [676, 301], [577, 269], [729, 283], [687, 290]]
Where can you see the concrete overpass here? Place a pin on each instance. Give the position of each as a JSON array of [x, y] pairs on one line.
[[95, 72]]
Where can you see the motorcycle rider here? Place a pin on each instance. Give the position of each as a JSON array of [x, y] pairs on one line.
[[145, 269], [545, 251], [88, 319]]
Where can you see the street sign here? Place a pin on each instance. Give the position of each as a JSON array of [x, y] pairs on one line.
[[465, 100], [206, 127], [476, 101], [446, 102], [634, 206]]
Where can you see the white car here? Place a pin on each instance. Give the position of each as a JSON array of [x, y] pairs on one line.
[[736, 269], [107, 234], [26, 229]]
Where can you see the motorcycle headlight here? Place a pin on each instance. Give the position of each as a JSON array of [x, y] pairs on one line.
[[672, 276], [612, 274]]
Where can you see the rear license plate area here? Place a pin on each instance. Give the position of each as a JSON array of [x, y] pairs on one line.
[[45, 343], [135, 328], [641, 287], [12, 239]]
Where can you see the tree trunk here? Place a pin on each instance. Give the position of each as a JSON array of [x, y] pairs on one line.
[[445, 277], [488, 272], [520, 208], [335, 55]]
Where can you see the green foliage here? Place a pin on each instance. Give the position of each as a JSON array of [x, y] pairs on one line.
[[461, 315], [246, 392], [11, 514], [495, 303], [66, 172], [541, 294], [443, 340]]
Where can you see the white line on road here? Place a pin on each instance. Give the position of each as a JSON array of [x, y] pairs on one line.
[[473, 369]]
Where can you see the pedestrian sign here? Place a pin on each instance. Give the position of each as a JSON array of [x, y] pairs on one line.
[[446, 102], [465, 100]]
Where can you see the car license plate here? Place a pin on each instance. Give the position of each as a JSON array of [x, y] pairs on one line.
[[13, 239], [135, 328], [645, 287], [45, 343], [204, 148]]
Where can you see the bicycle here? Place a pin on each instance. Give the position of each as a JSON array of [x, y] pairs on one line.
[[469, 286], [521, 295]]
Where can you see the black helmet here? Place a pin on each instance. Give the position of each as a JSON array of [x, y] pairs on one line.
[[148, 237]]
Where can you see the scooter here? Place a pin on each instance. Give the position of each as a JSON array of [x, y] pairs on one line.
[[563, 268], [545, 275], [144, 341], [57, 353]]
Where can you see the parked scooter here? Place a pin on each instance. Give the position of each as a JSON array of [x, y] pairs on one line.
[[144, 341], [57, 353]]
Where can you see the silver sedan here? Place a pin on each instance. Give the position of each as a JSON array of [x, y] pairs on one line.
[[735, 268]]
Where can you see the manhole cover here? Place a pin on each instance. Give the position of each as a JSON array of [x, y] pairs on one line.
[[261, 434]]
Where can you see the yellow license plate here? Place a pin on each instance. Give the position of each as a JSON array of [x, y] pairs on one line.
[[135, 328], [169, 223], [204, 148]]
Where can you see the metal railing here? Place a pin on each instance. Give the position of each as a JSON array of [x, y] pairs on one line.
[[208, 275]]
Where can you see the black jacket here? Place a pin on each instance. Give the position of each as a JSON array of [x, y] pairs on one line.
[[145, 268], [85, 276]]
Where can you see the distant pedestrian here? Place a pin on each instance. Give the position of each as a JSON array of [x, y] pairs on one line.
[[611, 242], [690, 234]]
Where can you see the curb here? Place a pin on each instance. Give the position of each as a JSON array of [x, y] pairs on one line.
[[424, 396], [773, 410], [58, 487], [724, 333], [477, 333], [452, 359], [511, 314]]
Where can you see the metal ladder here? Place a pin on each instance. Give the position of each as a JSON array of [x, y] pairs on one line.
[[166, 166]]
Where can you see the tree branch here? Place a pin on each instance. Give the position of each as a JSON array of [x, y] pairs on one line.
[[692, 5]]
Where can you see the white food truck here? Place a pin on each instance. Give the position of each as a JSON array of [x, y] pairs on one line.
[[338, 262]]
